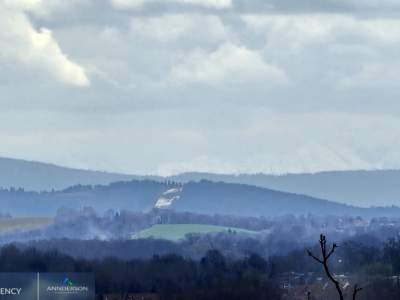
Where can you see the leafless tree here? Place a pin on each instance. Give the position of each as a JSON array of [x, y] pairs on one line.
[[326, 254]]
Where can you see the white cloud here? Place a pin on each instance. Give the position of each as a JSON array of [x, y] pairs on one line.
[[121, 4], [201, 163], [228, 63], [21, 42], [305, 157], [208, 3], [293, 29], [372, 75], [280, 143], [338, 50], [333, 63], [135, 4], [27, 5], [170, 27], [314, 28]]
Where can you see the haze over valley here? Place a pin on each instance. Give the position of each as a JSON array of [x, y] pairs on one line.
[[200, 149]]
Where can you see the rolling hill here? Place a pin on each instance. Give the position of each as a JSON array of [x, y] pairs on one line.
[[358, 188], [204, 197], [37, 176]]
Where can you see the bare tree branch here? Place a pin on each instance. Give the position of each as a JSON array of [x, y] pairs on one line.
[[314, 257], [334, 246], [355, 291], [324, 262]]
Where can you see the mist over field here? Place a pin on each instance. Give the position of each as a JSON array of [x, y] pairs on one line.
[[197, 217]]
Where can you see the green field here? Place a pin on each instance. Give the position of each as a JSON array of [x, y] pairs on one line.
[[23, 224], [176, 232]]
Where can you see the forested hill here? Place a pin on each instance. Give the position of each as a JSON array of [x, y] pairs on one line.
[[240, 199], [360, 188], [200, 197]]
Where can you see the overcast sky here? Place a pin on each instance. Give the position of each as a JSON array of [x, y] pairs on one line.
[[148, 86]]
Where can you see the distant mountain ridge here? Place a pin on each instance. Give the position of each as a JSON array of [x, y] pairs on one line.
[[37, 176], [359, 188], [204, 197]]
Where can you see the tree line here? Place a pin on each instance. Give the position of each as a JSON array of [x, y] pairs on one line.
[[171, 276]]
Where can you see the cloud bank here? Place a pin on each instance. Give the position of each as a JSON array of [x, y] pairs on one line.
[[180, 85]]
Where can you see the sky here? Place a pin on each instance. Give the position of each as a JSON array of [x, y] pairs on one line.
[[225, 86]]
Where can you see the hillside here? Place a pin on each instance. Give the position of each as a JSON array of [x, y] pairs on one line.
[[360, 188], [133, 195], [204, 197]]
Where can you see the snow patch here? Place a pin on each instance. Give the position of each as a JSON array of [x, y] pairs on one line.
[[168, 197]]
